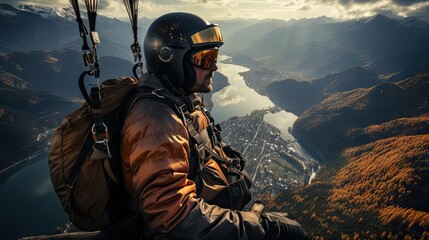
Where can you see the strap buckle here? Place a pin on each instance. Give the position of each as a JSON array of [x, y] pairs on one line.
[[102, 138], [185, 114], [136, 52], [88, 59], [233, 163], [201, 155], [95, 38]]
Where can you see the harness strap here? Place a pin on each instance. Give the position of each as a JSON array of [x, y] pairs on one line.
[[99, 130], [199, 145], [132, 7], [214, 130], [87, 57], [91, 6], [187, 121]]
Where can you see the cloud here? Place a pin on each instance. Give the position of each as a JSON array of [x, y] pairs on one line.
[[360, 10], [103, 5], [227, 97], [348, 2], [289, 4], [260, 9], [421, 12], [210, 3], [408, 2], [216, 2], [297, 3], [349, 9], [305, 8], [36, 2], [164, 2]]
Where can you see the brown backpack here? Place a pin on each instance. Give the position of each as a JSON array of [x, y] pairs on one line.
[[86, 179], [86, 173]]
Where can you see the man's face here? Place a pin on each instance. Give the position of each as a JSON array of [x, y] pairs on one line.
[[203, 79]]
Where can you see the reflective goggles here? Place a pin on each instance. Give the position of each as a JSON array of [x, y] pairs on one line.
[[205, 58], [207, 35]]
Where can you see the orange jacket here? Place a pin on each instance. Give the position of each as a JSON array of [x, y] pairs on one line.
[[155, 152]]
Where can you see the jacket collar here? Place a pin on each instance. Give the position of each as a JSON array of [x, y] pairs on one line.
[[150, 81], [193, 101]]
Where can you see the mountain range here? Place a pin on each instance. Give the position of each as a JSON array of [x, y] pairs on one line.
[[375, 180], [34, 28], [393, 47], [327, 125]]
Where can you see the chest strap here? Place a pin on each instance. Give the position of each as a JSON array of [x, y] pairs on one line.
[[181, 109]]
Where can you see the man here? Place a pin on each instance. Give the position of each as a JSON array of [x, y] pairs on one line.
[[187, 183]]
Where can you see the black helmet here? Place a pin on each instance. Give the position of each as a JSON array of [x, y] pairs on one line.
[[172, 39]]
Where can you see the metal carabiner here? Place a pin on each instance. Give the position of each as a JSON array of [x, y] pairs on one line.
[[95, 135]]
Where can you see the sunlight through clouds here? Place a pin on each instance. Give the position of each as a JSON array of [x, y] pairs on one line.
[[257, 9]]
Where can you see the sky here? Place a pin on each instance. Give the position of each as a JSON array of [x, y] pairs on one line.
[[257, 9]]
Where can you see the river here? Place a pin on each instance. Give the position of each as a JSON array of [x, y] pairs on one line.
[[29, 204], [237, 99]]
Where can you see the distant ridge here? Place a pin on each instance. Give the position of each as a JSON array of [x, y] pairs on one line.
[[394, 47], [297, 96], [54, 71], [24, 114], [325, 126], [28, 28]]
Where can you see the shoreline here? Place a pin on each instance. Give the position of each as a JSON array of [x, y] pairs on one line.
[[27, 159]]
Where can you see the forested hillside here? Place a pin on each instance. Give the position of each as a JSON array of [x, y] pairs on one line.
[[375, 182]]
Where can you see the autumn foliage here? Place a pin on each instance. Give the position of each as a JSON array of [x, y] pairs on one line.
[[375, 181]]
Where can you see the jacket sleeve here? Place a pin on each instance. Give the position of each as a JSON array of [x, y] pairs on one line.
[[155, 152], [156, 147], [207, 221]]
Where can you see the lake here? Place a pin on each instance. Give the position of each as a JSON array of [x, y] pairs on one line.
[[28, 201]]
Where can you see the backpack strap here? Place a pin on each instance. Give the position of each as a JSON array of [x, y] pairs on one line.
[[84, 151], [90, 140], [99, 130], [98, 134]]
